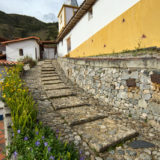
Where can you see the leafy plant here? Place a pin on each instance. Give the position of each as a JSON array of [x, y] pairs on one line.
[[28, 60]]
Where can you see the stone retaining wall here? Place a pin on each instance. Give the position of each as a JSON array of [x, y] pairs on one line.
[[130, 85]]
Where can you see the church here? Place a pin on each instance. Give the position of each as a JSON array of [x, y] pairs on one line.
[[99, 27]]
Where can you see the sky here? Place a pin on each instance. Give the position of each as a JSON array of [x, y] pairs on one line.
[[44, 10]]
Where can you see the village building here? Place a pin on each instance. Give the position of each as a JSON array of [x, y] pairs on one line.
[[107, 26], [19, 48]]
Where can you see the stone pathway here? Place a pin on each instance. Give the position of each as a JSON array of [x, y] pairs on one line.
[[97, 130]]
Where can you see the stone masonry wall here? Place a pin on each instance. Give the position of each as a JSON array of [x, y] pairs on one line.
[[130, 85]]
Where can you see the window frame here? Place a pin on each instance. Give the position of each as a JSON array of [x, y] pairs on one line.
[[68, 44], [21, 53]]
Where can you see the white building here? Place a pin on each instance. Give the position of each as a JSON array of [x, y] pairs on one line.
[[19, 48], [107, 26]]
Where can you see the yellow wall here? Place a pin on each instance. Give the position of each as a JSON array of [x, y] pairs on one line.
[[141, 19]]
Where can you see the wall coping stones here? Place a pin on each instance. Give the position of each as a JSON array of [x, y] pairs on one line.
[[146, 63]]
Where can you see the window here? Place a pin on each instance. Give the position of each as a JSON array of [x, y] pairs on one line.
[[36, 53], [90, 13], [21, 52], [69, 44], [60, 19]]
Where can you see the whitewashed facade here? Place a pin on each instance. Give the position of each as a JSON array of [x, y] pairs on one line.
[[18, 50], [103, 13]]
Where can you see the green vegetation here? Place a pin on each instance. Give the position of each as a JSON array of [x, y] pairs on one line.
[[30, 139], [137, 52], [28, 60], [15, 26]]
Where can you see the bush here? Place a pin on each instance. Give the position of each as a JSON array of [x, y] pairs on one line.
[[29, 60]]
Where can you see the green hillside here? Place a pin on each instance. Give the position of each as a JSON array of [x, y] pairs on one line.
[[14, 26]]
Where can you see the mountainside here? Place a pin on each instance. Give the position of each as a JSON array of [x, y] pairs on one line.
[[14, 26]]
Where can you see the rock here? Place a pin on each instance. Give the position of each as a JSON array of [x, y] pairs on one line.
[[26, 67], [144, 115], [98, 158], [127, 158], [122, 95], [87, 153], [76, 143], [112, 132], [147, 96], [121, 152], [134, 75], [77, 138], [147, 151], [125, 76], [151, 134], [112, 152], [131, 153], [109, 158], [141, 144], [142, 103], [155, 108], [84, 144], [144, 156]]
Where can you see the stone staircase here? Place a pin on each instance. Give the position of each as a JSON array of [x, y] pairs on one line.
[[93, 125]]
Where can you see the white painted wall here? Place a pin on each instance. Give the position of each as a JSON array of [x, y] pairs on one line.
[[29, 49], [49, 53], [61, 16], [104, 12]]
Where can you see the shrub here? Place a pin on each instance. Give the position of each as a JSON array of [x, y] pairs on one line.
[[29, 60]]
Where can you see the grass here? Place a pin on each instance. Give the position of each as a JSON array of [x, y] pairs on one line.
[[136, 52]]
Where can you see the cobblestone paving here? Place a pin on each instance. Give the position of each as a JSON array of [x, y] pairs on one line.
[[92, 126]]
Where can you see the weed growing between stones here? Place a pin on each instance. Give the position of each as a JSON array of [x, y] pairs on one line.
[[30, 139]]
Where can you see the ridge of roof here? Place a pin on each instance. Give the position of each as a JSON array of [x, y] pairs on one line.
[[83, 9], [21, 39]]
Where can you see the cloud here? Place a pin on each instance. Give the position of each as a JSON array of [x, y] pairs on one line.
[[50, 17], [45, 10]]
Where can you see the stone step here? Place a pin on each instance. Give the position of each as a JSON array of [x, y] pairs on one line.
[[47, 70], [48, 75], [80, 115], [67, 102], [60, 93], [47, 66], [52, 82], [50, 79], [49, 62], [56, 86], [105, 133]]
